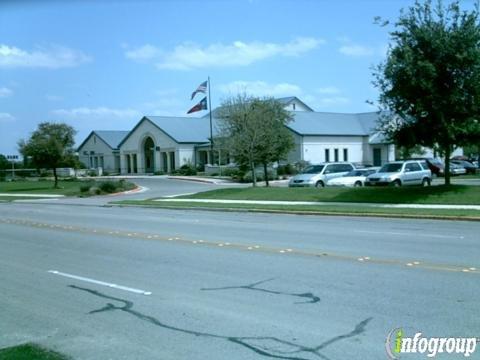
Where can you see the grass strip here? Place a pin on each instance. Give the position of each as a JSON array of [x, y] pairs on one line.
[[30, 352], [450, 214], [453, 194]]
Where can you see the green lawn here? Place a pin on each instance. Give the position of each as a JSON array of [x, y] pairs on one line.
[[30, 352], [68, 188], [455, 194]]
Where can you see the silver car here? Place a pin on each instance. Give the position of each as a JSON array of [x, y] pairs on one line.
[[400, 173], [318, 175]]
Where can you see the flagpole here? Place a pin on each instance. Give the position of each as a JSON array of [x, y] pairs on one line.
[[210, 108]]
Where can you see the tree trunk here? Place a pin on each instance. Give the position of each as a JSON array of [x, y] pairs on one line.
[[254, 176], [55, 177], [447, 164], [265, 173]]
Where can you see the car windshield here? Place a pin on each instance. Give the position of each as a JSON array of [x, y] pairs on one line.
[[314, 169], [388, 168]]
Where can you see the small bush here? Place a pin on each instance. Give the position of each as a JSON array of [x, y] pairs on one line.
[[186, 170], [158, 172], [108, 186], [287, 169], [94, 190], [85, 187], [248, 178]]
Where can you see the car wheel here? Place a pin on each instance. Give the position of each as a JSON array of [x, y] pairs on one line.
[[426, 182], [358, 184], [319, 184], [396, 183]]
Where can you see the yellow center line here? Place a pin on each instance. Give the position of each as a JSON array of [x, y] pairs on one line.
[[248, 247]]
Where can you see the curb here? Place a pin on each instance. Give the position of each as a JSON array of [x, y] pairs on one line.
[[200, 180]]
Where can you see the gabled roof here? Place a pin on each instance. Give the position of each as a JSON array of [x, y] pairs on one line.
[[183, 129], [112, 138], [324, 123], [180, 129], [289, 99]]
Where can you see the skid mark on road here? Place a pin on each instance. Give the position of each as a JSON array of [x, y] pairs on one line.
[[268, 346], [414, 263], [311, 297]]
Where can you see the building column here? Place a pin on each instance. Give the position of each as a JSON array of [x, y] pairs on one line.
[[158, 160], [169, 168], [132, 167]]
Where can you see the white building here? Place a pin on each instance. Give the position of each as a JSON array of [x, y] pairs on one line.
[[100, 149], [163, 143]]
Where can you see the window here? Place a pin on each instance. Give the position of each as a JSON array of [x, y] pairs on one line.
[[345, 154], [327, 155], [412, 167], [335, 154], [94, 139]]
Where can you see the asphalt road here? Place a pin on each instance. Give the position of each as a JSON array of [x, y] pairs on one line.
[[211, 285]]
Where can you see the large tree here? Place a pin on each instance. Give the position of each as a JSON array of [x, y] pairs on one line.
[[253, 130], [430, 81], [49, 146]]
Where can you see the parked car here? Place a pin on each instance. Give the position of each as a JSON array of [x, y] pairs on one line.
[[318, 175], [436, 166], [457, 169], [400, 173], [468, 166], [353, 178]]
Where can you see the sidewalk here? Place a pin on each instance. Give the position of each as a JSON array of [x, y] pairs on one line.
[[313, 203]]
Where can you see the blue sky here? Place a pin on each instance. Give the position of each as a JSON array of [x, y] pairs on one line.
[[105, 64]]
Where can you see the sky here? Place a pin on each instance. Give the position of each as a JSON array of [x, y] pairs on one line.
[[102, 65]]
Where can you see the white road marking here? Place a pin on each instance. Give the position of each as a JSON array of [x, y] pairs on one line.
[[176, 195], [93, 281], [408, 234]]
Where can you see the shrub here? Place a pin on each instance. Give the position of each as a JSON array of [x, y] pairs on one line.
[[186, 170], [108, 186], [94, 190], [259, 175], [158, 172], [85, 187], [287, 169]]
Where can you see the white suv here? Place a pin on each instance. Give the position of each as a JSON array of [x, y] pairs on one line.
[[318, 175], [400, 173]]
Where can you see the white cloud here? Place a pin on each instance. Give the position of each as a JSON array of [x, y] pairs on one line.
[[144, 53], [6, 118], [356, 50], [96, 113], [328, 90], [5, 92], [189, 55], [260, 88], [52, 57]]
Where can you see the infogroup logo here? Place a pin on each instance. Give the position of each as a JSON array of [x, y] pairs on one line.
[[397, 344]]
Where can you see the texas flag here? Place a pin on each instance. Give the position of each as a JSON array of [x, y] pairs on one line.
[[202, 105], [201, 88]]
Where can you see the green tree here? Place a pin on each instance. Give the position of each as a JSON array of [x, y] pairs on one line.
[[253, 130], [430, 80], [277, 141], [49, 146], [4, 163]]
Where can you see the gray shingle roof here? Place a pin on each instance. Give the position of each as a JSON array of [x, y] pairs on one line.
[[323, 123], [112, 137], [183, 129]]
